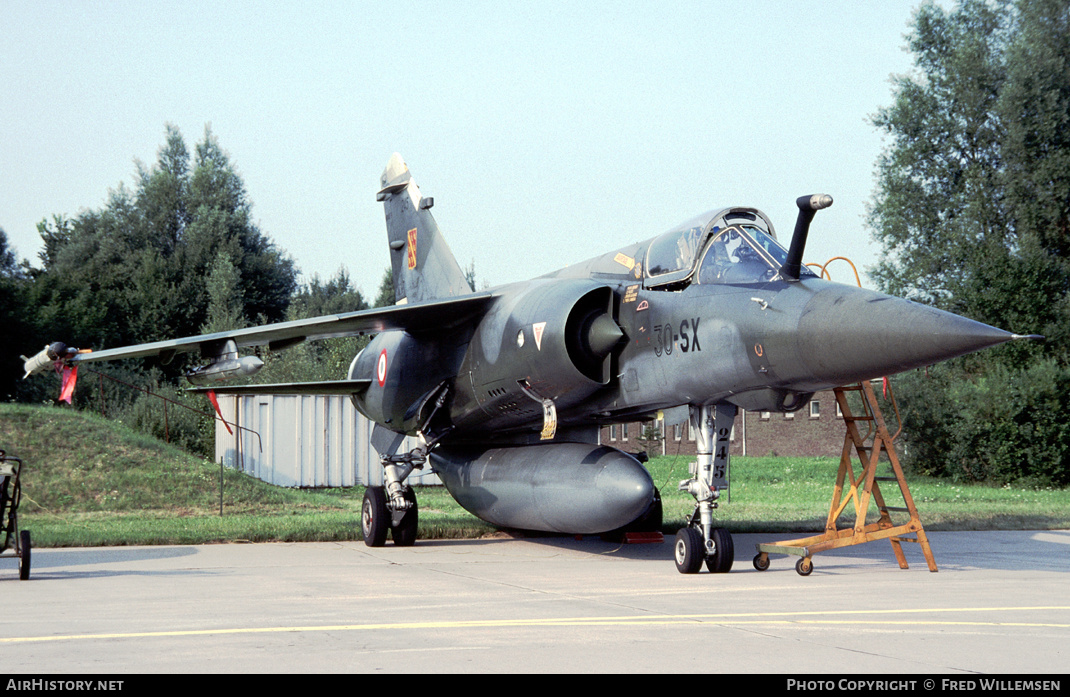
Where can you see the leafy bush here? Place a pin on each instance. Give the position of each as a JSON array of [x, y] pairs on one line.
[[186, 421], [1003, 427]]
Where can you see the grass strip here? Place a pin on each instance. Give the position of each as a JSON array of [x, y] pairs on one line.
[[88, 481]]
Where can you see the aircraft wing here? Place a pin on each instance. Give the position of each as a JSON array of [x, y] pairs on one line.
[[325, 387], [417, 318]]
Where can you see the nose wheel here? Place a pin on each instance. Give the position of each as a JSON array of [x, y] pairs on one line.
[[691, 551], [688, 551]]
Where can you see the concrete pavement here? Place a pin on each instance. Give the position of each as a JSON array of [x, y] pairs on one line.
[[999, 604]]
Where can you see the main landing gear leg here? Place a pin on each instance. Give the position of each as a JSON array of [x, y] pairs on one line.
[[392, 507], [701, 542]]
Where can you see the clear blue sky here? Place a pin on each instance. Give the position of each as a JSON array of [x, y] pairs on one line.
[[547, 132]]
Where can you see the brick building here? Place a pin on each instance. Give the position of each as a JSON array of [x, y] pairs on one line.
[[815, 430]]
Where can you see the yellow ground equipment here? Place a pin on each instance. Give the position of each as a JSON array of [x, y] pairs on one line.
[[861, 490]]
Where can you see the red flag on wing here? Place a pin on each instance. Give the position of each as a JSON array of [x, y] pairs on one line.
[[215, 403], [70, 377]]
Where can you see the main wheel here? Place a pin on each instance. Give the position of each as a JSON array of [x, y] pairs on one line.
[[688, 551], [24, 555], [405, 532], [374, 517], [724, 552]]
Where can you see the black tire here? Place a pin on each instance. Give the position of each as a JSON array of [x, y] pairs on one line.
[[724, 552], [24, 555], [688, 551], [405, 532], [804, 567], [374, 517], [761, 562]]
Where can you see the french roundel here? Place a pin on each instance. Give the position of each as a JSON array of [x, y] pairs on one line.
[[380, 368]]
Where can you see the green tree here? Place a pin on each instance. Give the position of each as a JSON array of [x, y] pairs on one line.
[[329, 297], [139, 269], [175, 255], [328, 359], [163, 194], [13, 311], [971, 210], [385, 295], [936, 209], [225, 300], [1035, 109], [222, 218], [9, 265]]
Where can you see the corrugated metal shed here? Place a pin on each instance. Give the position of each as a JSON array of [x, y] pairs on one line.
[[303, 441]]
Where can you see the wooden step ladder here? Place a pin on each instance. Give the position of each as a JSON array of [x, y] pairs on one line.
[[861, 491]]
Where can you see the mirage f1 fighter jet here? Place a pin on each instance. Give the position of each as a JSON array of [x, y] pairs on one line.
[[506, 389]]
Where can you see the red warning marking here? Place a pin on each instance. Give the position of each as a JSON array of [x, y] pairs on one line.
[[380, 368]]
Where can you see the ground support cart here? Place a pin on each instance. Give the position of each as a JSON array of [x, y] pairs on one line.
[[861, 491], [10, 495]]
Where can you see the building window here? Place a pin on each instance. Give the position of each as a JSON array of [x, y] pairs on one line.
[[624, 431], [815, 409], [613, 432], [789, 415], [839, 411], [677, 432]]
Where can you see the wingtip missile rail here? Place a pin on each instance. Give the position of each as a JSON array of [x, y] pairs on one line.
[[47, 357]]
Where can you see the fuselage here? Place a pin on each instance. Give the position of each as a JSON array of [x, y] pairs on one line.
[[699, 316]]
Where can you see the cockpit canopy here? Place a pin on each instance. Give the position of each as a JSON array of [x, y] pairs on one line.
[[732, 246]]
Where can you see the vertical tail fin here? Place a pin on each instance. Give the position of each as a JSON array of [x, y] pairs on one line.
[[422, 263]]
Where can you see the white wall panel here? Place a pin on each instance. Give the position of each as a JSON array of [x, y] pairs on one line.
[[302, 441]]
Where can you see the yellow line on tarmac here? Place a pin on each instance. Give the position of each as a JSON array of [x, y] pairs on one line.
[[740, 618]]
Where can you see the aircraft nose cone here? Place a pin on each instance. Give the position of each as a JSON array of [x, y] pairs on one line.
[[849, 334]]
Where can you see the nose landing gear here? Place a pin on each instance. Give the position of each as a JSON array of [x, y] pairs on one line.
[[701, 542]]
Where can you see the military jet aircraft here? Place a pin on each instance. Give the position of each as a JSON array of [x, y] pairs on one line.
[[506, 389]]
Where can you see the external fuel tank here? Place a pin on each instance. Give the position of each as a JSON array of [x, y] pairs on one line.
[[554, 487]]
